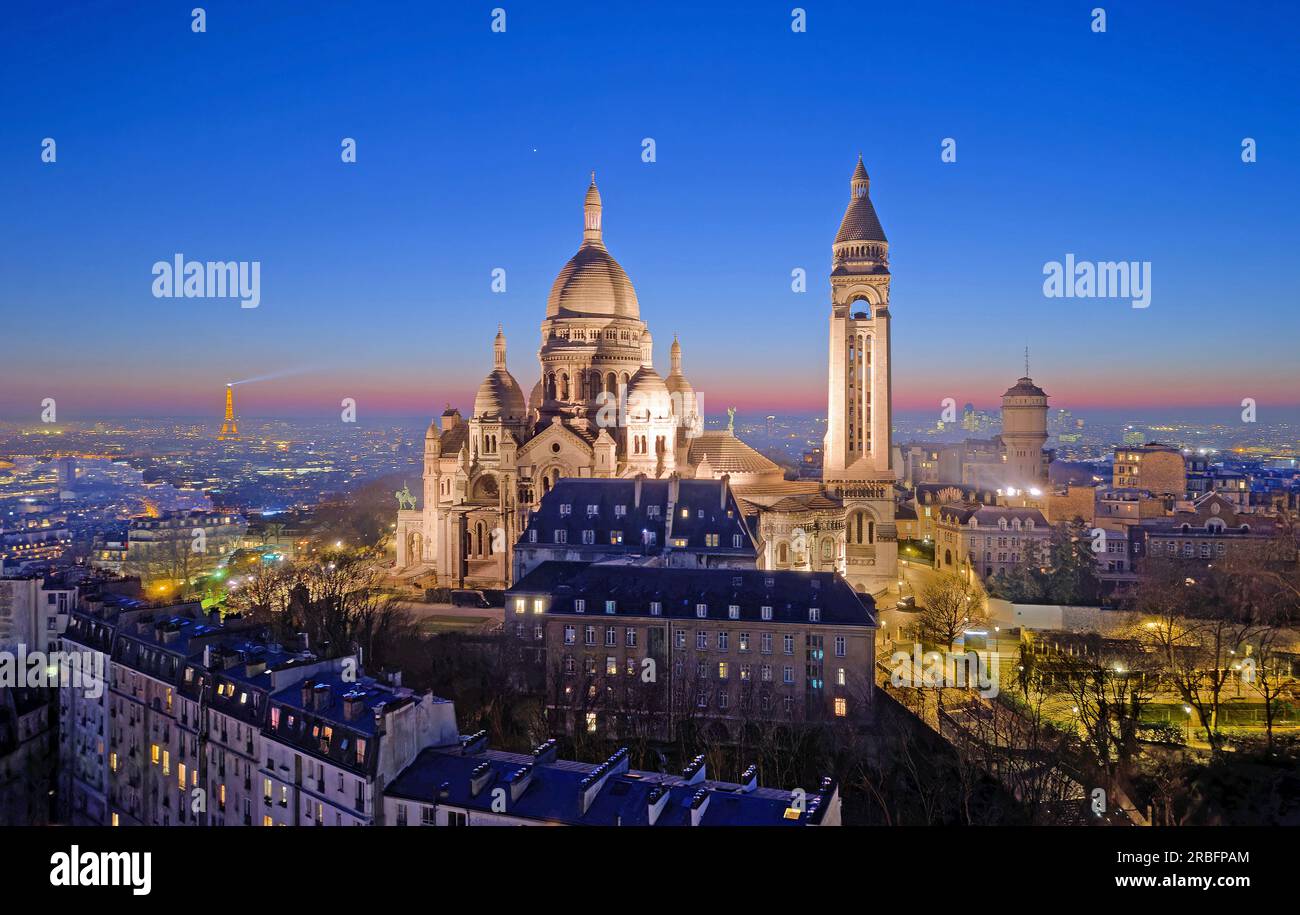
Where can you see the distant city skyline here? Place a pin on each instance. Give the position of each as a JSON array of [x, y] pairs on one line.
[[376, 275]]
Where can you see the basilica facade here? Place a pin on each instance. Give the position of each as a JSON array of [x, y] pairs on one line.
[[600, 409]]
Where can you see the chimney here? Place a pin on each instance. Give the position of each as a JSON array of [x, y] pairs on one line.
[[253, 668], [749, 780], [305, 693], [824, 805], [674, 484], [655, 803], [479, 778], [636, 490], [474, 744], [699, 803], [321, 697], [207, 656], [546, 752], [695, 772], [722, 491], [518, 782], [594, 782], [353, 704]]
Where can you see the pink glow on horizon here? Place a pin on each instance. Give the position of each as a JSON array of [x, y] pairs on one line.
[[409, 394]]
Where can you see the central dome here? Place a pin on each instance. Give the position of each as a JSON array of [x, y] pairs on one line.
[[592, 282]]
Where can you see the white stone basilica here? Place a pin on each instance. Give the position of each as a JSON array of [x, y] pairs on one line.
[[482, 477]]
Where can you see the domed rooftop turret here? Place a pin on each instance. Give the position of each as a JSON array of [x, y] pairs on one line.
[[499, 396], [678, 386], [1025, 387], [647, 392]]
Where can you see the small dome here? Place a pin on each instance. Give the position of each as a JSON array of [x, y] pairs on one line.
[[678, 386], [1025, 387], [500, 397], [648, 392], [536, 397], [432, 434]]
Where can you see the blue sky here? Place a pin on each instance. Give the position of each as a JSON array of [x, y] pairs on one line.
[[473, 153]]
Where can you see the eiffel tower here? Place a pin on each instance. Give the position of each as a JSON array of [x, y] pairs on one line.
[[229, 427]]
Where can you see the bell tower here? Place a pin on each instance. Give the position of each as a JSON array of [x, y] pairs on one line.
[[857, 454], [858, 443]]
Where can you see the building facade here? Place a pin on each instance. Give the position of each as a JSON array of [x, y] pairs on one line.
[[984, 540], [1159, 469], [715, 650]]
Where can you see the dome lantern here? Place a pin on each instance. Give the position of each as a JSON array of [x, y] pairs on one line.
[[591, 215]]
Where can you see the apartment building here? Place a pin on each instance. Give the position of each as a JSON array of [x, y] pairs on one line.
[[713, 650], [34, 610], [473, 785], [1157, 468], [27, 750], [209, 722], [333, 742], [983, 540], [1212, 530]]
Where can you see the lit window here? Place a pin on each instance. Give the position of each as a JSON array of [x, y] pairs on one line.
[[520, 604], [841, 706], [591, 722], [702, 610], [656, 608], [733, 612]]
